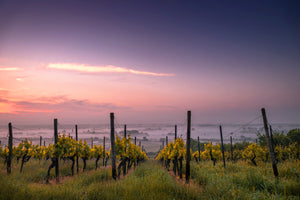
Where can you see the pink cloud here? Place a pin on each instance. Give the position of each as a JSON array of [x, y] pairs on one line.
[[3, 92], [101, 69], [10, 69], [54, 104]]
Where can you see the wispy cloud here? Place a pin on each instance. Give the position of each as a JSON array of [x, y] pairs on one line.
[[101, 69], [3, 92], [9, 69], [52, 105], [21, 78]]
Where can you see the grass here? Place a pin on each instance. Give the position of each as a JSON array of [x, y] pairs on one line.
[[36, 170], [151, 181], [243, 181], [148, 181]]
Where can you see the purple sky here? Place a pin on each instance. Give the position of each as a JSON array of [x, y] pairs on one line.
[[149, 61]]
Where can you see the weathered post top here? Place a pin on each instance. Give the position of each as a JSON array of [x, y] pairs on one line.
[[55, 131], [175, 132], [76, 132], [188, 141], [112, 139], [272, 155]]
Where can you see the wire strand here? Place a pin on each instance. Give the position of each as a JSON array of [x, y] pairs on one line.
[[247, 124]]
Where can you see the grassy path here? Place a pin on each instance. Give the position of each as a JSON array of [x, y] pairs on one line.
[[148, 181], [152, 181]]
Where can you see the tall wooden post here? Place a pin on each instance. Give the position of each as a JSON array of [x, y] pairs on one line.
[[275, 171], [44, 143], [10, 145], [222, 146], [166, 140], [134, 140], [125, 131], [231, 149], [92, 142], [57, 159], [112, 139], [104, 151], [199, 148], [125, 136], [140, 143], [272, 141], [188, 144], [76, 136], [41, 141], [175, 132]]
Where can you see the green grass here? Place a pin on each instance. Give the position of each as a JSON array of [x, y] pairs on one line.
[[148, 181], [36, 170], [151, 181], [243, 181]]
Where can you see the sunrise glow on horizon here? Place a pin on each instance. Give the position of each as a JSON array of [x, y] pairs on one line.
[[148, 61], [100, 69]]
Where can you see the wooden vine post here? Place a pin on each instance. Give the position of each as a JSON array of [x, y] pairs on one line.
[[175, 132], [175, 161], [188, 141], [274, 166], [41, 140], [10, 144], [199, 148], [57, 159], [272, 141], [222, 147], [125, 131], [76, 135], [167, 162], [112, 139], [104, 151], [124, 165], [134, 140], [231, 149]]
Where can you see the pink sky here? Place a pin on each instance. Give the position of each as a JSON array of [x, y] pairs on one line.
[[148, 62], [87, 94]]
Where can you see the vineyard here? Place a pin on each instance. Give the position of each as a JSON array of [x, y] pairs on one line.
[[248, 172], [67, 148], [214, 171]]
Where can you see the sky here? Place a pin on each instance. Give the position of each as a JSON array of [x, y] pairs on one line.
[[149, 61]]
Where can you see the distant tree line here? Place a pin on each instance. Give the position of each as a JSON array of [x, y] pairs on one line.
[[293, 136], [279, 138]]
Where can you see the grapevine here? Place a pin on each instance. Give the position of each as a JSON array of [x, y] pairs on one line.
[[174, 151]]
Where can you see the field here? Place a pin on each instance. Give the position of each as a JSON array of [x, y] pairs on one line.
[[151, 180]]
